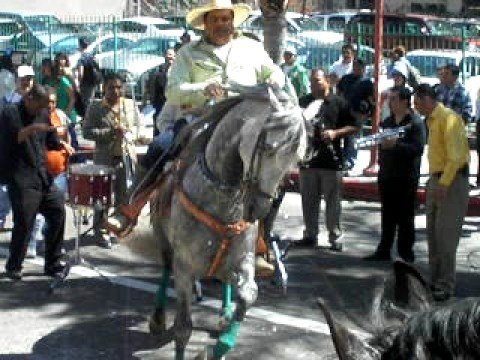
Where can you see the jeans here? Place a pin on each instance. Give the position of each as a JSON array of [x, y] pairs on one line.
[[40, 225]]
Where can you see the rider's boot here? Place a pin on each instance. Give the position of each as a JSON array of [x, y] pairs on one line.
[[262, 267], [124, 219]]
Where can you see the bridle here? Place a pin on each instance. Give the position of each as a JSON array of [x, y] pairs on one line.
[[250, 183]]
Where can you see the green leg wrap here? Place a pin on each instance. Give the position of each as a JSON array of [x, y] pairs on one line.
[[161, 296], [227, 340], [227, 307]]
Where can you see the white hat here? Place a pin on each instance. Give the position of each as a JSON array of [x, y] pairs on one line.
[[25, 70], [400, 68], [240, 12], [291, 50]]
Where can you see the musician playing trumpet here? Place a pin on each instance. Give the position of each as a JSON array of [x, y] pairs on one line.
[[398, 176]]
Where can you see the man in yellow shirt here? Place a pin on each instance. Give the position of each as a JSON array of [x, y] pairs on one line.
[[447, 188]]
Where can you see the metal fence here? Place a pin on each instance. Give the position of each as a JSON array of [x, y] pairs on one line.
[[135, 47]]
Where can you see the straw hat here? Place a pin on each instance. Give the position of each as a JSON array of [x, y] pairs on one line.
[[240, 12]]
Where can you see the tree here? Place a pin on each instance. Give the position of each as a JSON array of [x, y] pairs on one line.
[[274, 27]]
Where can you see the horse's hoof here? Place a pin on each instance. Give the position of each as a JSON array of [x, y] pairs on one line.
[[207, 354], [225, 319], [157, 323]]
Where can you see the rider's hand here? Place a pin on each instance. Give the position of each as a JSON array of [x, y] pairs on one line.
[[328, 135], [214, 90]]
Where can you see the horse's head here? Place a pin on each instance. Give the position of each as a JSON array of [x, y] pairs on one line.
[[268, 149]]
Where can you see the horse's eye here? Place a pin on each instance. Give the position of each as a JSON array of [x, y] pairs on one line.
[[271, 149]]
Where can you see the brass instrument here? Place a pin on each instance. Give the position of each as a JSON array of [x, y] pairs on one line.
[[377, 138]]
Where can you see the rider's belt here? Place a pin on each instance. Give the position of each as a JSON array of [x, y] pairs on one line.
[[462, 171], [186, 106]]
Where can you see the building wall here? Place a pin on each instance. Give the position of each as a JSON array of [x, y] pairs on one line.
[[64, 8]]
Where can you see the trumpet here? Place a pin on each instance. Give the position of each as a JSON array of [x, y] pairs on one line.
[[377, 138]]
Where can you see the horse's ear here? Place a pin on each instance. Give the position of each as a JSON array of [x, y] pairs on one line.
[[411, 290], [404, 293], [347, 345]]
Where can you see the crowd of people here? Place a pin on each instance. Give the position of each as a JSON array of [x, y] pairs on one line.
[[40, 118]]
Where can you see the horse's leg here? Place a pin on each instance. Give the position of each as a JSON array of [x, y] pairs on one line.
[[157, 322], [227, 306], [183, 321], [247, 294]]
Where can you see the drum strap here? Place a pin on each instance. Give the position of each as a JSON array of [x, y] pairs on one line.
[[225, 231]]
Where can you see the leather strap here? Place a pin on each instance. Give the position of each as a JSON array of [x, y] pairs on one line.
[[225, 231]]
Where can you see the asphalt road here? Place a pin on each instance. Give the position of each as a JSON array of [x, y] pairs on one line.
[[102, 313]]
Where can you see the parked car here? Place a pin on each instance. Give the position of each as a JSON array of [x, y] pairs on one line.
[[137, 62], [145, 26], [35, 31], [97, 45], [298, 25], [410, 30], [429, 61], [8, 29], [324, 55]]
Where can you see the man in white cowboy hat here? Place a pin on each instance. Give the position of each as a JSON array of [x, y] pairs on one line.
[[207, 69]]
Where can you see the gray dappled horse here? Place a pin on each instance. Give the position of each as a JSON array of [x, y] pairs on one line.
[[409, 327], [231, 180]]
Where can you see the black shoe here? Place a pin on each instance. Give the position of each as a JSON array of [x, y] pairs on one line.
[[410, 258], [376, 256], [15, 275], [440, 296], [305, 242], [57, 270]]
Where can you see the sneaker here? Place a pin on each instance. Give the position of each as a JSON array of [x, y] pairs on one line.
[[58, 270], [262, 267], [335, 241], [15, 275], [377, 256], [103, 240], [31, 250]]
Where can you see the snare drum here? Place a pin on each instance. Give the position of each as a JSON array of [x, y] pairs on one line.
[[90, 184]]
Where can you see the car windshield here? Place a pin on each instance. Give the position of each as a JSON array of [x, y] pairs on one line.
[[152, 46], [167, 26], [68, 45], [307, 24], [40, 23], [438, 27], [428, 65]]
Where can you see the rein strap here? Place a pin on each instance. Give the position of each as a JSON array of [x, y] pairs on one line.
[[225, 231]]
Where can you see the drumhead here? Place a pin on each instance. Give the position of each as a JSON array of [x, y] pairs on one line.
[[90, 169]]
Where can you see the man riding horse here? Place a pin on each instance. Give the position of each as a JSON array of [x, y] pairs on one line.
[[206, 71]]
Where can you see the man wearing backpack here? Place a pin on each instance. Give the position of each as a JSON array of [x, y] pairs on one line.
[[87, 72]]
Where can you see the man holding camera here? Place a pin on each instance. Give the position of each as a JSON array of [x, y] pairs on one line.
[[331, 120]]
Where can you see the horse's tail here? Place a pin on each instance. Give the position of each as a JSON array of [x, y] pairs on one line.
[[146, 242]]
